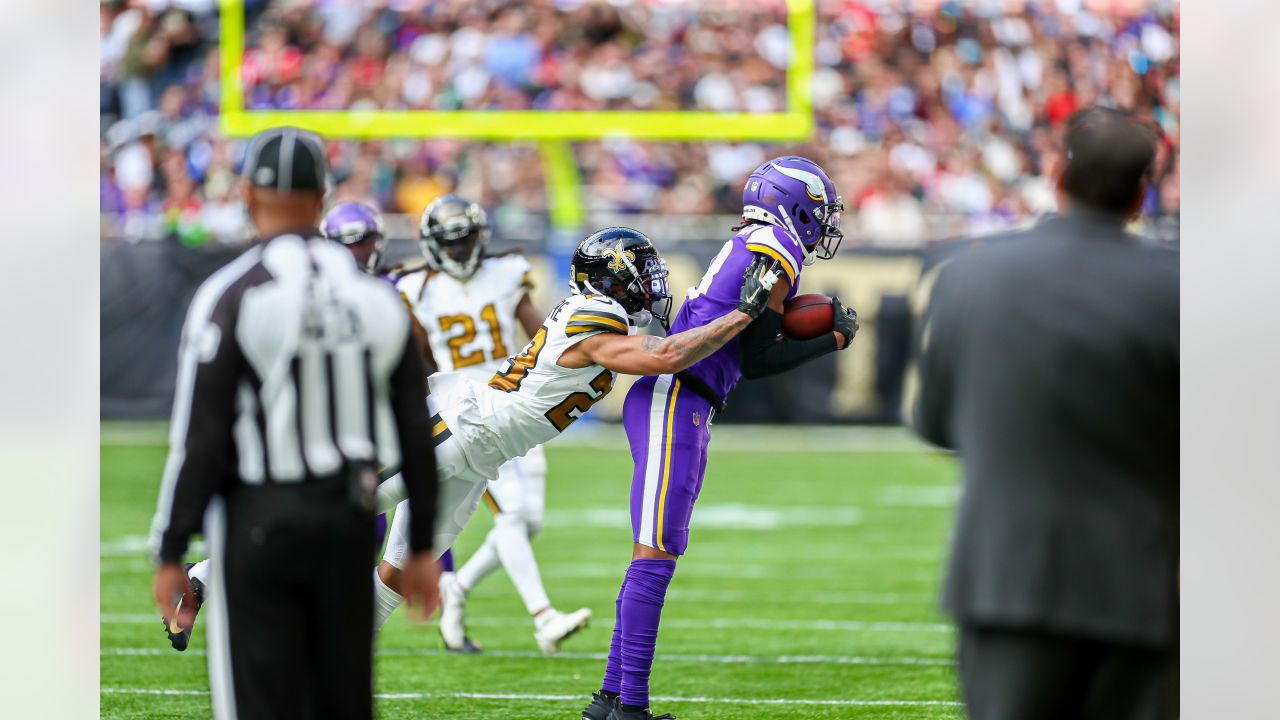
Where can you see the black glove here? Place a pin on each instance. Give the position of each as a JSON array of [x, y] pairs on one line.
[[844, 320], [757, 284]]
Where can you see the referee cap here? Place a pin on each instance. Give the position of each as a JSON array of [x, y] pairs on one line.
[[286, 160]]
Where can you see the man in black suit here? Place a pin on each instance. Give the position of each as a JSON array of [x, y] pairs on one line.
[[1049, 362]]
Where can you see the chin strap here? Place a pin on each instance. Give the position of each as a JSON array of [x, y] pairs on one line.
[[453, 267], [642, 318]]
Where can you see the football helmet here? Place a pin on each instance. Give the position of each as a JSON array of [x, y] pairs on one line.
[[360, 228], [454, 234], [623, 264], [794, 193]]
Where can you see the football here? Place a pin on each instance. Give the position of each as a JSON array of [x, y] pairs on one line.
[[807, 316]]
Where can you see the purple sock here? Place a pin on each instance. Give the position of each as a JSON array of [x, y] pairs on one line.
[[642, 598], [446, 561], [613, 668], [380, 529]]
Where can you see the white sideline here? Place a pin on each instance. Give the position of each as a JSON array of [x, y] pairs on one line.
[[687, 623], [567, 698], [672, 658]]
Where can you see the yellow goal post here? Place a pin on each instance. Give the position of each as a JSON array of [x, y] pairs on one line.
[[551, 129]]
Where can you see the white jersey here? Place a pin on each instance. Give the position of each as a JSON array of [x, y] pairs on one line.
[[531, 398], [470, 324]]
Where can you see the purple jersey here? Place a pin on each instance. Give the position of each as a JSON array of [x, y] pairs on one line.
[[718, 292]]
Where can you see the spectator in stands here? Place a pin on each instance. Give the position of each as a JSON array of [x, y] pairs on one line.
[[965, 102]]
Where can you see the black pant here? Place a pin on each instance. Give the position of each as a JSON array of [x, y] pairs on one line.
[[297, 635], [1010, 674]]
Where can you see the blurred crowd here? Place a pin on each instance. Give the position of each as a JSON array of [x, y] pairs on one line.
[[936, 121]]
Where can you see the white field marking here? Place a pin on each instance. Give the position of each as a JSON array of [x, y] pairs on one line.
[[732, 516], [128, 618], [137, 545], [920, 496], [666, 658], [766, 438], [819, 598], [150, 691], [732, 438], [693, 567], [134, 432], [568, 698], [119, 556], [684, 623], [126, 565]]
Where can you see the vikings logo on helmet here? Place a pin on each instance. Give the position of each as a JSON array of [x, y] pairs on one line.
[[795, 193]]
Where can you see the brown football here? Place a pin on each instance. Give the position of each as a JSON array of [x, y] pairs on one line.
[[807, 316]]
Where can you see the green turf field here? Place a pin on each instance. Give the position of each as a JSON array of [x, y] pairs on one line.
[[808, 591]]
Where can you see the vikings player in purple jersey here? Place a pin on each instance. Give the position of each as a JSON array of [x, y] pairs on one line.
[[359, 227], [790, 213]]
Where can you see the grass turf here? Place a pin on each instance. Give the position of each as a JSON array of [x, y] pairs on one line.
[[811, 576]]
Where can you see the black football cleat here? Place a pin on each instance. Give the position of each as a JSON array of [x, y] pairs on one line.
[[180, 637], [600, 708], [619, 714]]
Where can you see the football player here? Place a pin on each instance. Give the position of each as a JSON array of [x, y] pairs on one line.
[[619, 283], [470, 303], [359, 228], [791, 215]]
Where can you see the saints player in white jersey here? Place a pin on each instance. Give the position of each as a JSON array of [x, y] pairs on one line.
[[619, 283], [470, 304]]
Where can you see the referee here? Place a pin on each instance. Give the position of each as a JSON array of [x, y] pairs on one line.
[[297, 380]]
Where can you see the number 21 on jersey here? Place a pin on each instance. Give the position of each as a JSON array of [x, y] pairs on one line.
[[489, 315]]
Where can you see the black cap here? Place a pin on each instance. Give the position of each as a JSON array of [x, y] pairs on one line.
[[286, 160]]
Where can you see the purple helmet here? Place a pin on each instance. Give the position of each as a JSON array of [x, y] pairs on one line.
[[794, 193], [359, 227]]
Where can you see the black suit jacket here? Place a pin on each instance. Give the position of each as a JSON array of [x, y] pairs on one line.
[[1049, 362]]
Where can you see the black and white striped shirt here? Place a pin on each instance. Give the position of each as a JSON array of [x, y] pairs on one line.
[[293, 365]]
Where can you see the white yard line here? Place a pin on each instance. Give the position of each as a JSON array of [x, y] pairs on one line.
[[766, 438], [601, 435], [666, 658], [569, 698], [685, 623], [820, 598]]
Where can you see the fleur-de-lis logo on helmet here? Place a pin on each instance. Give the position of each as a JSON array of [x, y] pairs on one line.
[[616, 255]]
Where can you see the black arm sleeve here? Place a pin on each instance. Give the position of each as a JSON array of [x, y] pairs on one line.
[[761, 353], [417, 455], [209, 365]]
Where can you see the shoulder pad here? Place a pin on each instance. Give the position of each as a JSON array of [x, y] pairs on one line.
[[779, 244], [407, 268], [517, 264], [596, 313]]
